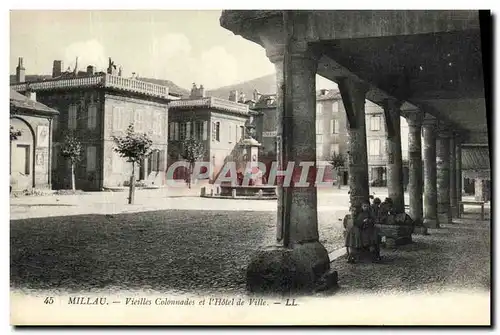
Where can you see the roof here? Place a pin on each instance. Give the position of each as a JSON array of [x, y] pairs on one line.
[[19, 101], [210, 102], [269, 100]]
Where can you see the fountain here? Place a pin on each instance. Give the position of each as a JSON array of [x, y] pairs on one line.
[[247, 167]]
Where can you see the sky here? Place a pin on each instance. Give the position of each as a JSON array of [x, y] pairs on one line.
[[183, 46]]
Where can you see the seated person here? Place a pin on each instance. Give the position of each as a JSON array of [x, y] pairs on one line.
[[362, 234]]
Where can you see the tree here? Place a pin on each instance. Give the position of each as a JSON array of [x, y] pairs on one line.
[[337, 160], [71, 150], [192, 150], [134, 147], [14, 133]]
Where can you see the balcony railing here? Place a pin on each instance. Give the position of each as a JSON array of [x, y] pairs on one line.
[[211, 102], [105, 80]]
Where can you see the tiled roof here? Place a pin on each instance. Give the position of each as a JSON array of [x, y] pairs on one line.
[[210, 102], [17, 100], [269, 100]]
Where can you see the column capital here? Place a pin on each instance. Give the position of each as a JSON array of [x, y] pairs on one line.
[[414, 118], [430, 121], [444, 130], [276, 52]]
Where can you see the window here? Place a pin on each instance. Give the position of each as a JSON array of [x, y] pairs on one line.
[[375, 123], [319, 108], [334, 148], [92, 117], [216, 131], [319, 150], [91, 158], [72, 117], [242, 132], [182, 131], [319, 126], [117, 118], [205, 130], [171, 131], [335, 107], [138, 120], [55, 155], [230, 133], [157, 122], [23, 159], [188, 129], [176, 131], [374, 148], [198, 130], [334, 126], [55, 123]]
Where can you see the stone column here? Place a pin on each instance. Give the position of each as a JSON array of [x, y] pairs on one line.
[[443, 175], [353, 96], [299, 259], [415, 185], [458, 167], [430, 188], [480, 189], [394, 156], [453, 177]]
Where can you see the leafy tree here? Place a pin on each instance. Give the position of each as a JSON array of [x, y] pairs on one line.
[[337, 160], [134, 147], [14, 133], [192, 150], [71, 149]]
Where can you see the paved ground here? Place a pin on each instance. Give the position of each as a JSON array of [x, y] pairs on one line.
[[174, 240]]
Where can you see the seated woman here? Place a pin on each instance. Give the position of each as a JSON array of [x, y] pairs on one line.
[[362, 234]]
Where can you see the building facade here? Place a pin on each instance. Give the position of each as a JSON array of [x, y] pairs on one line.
[[331, 134], [217, 123], [95, 107], [30, 145]]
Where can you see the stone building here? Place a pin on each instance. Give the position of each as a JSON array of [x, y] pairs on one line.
[[95, 106], [218, 123], [30, 150], [331, 133]]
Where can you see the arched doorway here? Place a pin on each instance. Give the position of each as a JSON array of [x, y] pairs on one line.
[[22, 157]]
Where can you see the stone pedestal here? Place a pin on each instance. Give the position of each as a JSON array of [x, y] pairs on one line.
[[415, 186], [443, 176], [394, 156], [430, 186]]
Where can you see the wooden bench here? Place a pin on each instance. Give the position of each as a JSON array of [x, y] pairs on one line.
[[470, 203]]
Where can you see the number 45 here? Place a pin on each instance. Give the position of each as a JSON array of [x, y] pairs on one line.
[[48, 300]]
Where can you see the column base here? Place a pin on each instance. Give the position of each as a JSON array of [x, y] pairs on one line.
[[431, 223], [445, 218], [454, 212], [303, 268]]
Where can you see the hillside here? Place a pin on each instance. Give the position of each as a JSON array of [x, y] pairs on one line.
[[265, 85], [173, 88]]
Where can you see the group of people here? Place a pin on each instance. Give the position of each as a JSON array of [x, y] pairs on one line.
[[362, 233]]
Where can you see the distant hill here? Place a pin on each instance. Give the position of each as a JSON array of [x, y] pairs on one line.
[[173, 88], [265, 85]]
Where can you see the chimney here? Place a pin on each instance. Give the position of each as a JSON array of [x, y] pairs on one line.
[[201, 91], [241, 98], [194, 90], [233, 96], [120, 71], [90, 70], [57, 68], [20, 71]]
